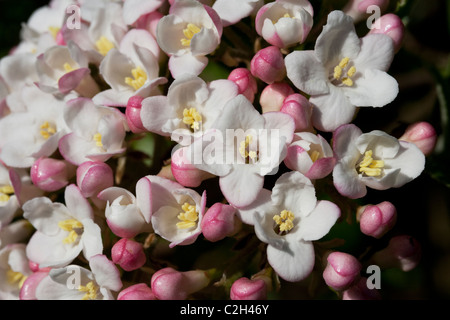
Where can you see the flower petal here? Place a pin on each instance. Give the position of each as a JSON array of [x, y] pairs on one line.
[[319, 222]]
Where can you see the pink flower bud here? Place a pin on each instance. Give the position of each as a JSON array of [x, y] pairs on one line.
[[403, 252], [341, 271], [133, 114], [360, 291], [246, 289], [245, 81], [361, 9], [139, 291], [392, 26], [273, 96], [184, 172], [128, 254], [219, 222], [377, 220], [34, 267], [422, 134], [51, 174], [170, 284], [299, 108], [268, 65], [28, 289], [93, 177]]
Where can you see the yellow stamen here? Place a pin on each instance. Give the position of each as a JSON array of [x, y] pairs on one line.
[[47, 130], [15, 278], [244, 148], [192, 117], [5, 193], [286, 15], [91, 291], [369, 166], [285, 221], [98, 140], [138, 80], [339, 70], [54, 31], [68, 67], [314, 155], [189, 33], [70, 225], [188, 217], [103, 45]]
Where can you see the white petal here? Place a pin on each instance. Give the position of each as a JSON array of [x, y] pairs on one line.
[[306, 72], [77, 205], [263, 203], [377, 52], [187, 63], [91, 239], [374, 88], [346, 179], [293, 263], [331, 110], [105, 272], [319, 222], [344, 139]]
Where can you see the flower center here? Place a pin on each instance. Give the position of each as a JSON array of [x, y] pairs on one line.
[[286, 15], [284, 222], [369, 166], [5, 193], [189, 32], [314, 155], [98, 140], [192, 118], [244, 150], [47, 130], [138, 80], [188, 217], [103, 45], [15, 278], [54, 31], [91, 291], [72, 226], [343, 68]]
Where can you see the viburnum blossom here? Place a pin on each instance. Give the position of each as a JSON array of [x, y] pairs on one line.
[[343, 72], [219, 149], [375, 159], [187, 34], [63, 231], [289, 221]]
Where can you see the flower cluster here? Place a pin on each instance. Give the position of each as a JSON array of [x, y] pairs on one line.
[[129, 169]]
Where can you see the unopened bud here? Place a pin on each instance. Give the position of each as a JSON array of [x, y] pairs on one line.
[[377, 220], [133, 114], [342, 270], [246, 289], [268, 65], [51, 174], [93, 177], [219, 222], [139, 291], [128, 254], [245, 81], [186, 173], [273, 96], [299, 108], [423, 135]]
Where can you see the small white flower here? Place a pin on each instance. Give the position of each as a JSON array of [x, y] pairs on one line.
[[343, 72], [14, 270], [374, 159]]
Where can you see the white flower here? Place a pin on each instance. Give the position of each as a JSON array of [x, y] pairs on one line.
[[241, 148], [177, 211], [187, 34], [97, 132], [288, 220], [284, 23], [14, 270], [34, 132], [375, 160], [63, 231], [134, 9], [9, 203], [128, 215], [343, 72], [190, 108], [77, 283]]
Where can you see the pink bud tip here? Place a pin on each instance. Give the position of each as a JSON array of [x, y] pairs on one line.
[[377, 220], [133, 114], [299, 108], [93, 177], [60, 39], [423, 135], [219, 222], [28, 289], [50, 174], [245, 81], [268, 65], [246, 289], [273, 96], [170, 284], [184, 172], [392, 26], [341, 271], [139, 291], [128, 254]]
